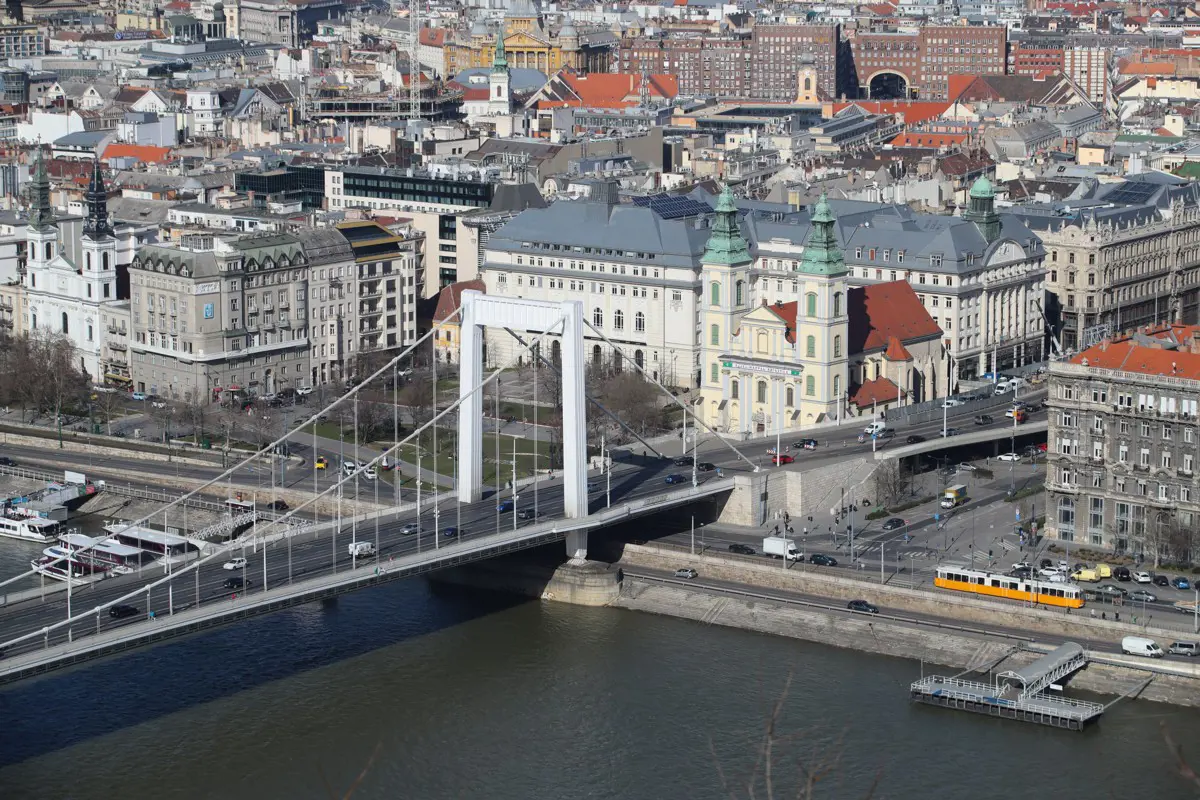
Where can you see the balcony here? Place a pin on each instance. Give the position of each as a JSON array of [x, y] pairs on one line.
[[284, 322], [1182, 472], [370, 311], [117, 346]]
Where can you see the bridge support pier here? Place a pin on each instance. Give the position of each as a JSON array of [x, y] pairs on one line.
[[577, 545], [584, 583]]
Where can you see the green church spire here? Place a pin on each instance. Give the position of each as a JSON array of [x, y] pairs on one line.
[[822, 253], [726, 245], [500, 63]]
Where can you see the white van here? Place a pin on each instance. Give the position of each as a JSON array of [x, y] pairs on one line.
[[1004, 387], [876, 428], [361, 549], [1141, 646]]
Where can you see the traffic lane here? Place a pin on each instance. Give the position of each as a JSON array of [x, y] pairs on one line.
[[1108, 646]]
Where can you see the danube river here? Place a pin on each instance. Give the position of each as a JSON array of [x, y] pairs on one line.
[[447, 693]]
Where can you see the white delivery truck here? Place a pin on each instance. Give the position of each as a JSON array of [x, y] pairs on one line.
[[361, 549], [1141, 646], [780, 547]]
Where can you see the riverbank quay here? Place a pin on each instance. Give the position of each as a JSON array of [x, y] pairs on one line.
[[958, 632]]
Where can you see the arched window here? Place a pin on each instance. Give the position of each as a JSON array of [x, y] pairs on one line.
[[810, 385], [837, 304], [789, 397], [65, 327], [808, 84], [714, 334], [837, 346], [49, 251], [760, 342], [33, 319], [714, 293], [619, 320], [810, 347], [762, 391], [714, 373], [497, 91], [598, 317], [104, 263], [87, 261], [597, 354], [739, 290], [733, 389], [639, 322], [639, 359], [810, 304], [837, 386]]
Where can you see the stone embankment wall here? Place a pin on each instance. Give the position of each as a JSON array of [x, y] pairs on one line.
[[756, 498]]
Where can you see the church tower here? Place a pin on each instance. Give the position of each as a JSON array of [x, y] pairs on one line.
[[822, 318], [42, 232], [499, 98], [725, 296], [99, 246]]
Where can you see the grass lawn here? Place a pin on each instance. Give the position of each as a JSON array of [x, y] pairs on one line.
[[529, 453]]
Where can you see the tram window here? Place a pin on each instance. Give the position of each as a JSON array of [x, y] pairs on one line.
[[995, 583]]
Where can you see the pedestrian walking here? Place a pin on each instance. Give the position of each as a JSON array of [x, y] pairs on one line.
[[1093, 613], [1103, 615], [776, 530], [1117, 614]]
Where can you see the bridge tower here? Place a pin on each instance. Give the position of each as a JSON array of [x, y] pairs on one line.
[[479, 310]]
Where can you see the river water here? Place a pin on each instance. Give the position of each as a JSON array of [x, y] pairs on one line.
[[441, 692]]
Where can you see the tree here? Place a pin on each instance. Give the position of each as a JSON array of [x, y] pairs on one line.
[[163, 414], [196, 410], [55, 377], [109, 404], [891, 483]]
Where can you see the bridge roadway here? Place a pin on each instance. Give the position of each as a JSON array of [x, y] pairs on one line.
[[312, 558]]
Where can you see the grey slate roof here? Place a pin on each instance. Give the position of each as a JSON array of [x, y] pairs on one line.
[[324, 246]]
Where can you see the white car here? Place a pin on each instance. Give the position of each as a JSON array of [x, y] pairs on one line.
[[951, 402], [159, 403], [304, 391], [370, 473], [875, 427], [235, 563], [1049, 573], [1142, 577], [1008, 457], [349, 468]]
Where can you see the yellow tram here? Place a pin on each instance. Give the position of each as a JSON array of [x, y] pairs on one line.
[[964, 579]]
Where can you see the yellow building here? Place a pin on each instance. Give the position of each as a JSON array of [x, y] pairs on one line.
[[529, 44]]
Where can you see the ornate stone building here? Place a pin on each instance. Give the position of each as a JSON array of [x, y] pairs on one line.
[[530, 44]]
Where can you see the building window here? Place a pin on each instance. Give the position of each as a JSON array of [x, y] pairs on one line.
[[619, 320], [715, 373], [739, 292], [810, 305], [639, 322], [810, 386], [65, 326], [837, 304], [714, 334], [598, 317], [810, 347], [789, 397], [762, 391], [733, 389], [837, 346], [714, 293]]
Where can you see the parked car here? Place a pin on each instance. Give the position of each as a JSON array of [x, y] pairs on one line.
[[121, 611], [863, 606], [1045, 563], [915, 438], [822, 560], [506, 505], [1162, 580], [1122, 573], [1141, 646], [139, 396], [1008, 457], [304, 391], [984, 419], [1142, 577], [1143, 596], [742, 549], [234, 563], [687, 573], [1181, 583], [1110, 591], [674, 478], [780, 460], [893, 523], [1189, 649], [966, 467]]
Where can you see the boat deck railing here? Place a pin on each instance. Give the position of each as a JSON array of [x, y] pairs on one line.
[[974, 692]]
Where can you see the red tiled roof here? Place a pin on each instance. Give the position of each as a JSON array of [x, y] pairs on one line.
[[473, 95], [1149, 68], [787, 312], [614, 89], [879, 390], [879, 312], [912, 112], [146, 153], [434, 37], [896, 351], [450, 298], [1147, 359]]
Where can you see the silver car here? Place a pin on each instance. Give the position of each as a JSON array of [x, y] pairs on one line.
[[687, 573]]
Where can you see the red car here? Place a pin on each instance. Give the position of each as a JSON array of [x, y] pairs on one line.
[[1041, 447], [784, 459]]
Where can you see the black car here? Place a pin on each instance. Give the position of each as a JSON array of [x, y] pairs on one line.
[[529, 513], [1022, 572], [122, 611], [822, 560], [238, 582], [949, 432], [706, 466], [683, 461], [893, 523], [1122, 574], [915, 438], [984, 419], [1045, 563], [743, 549], [8, 462], [449, 533], [277, 505], [863, 606], [1162, 580], [805, 444]]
